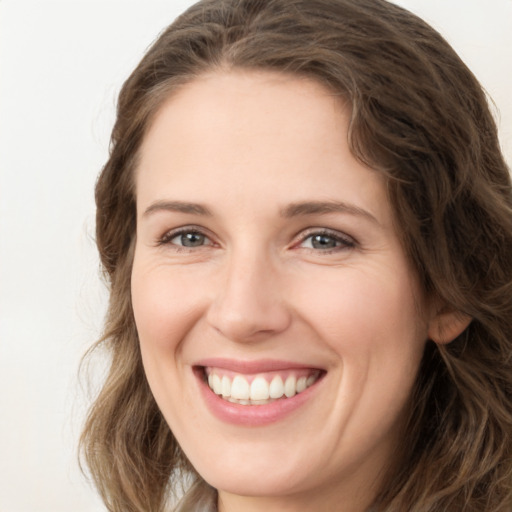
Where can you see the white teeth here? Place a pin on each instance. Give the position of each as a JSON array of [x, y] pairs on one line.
[[260, 402], [225, 386], [259, 389], [259, 392], [290, 386], [301, 384], [217, 384], [311, 380], [240, 388], [276, 387]]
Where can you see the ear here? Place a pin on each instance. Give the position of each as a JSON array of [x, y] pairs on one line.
[[447, 325]]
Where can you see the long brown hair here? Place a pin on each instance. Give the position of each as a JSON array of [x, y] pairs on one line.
[[420, 117]]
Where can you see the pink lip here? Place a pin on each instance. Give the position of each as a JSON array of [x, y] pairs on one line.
[[251, 415], [250, 367]]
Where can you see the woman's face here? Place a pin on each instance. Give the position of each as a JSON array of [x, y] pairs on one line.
[[267, 267]]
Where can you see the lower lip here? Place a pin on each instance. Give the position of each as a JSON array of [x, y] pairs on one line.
[[253, 415]]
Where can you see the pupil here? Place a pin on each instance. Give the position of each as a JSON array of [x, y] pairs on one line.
[[192, 239], [323, 242]]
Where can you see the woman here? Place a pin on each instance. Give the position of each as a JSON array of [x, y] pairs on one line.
[[306, 223]]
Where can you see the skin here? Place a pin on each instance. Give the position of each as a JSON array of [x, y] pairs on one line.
[[245, 146]]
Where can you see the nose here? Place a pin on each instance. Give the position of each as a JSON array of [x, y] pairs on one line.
[[250, 304]]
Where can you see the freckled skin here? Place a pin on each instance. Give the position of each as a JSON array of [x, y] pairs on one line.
[[262, 285]]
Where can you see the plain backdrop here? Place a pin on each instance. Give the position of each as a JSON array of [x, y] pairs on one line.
[[61, 66]]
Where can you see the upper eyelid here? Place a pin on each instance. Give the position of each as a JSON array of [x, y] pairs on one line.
[[306, 233]]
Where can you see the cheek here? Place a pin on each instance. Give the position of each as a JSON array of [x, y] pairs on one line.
[[365, 313], [371, 322], [165, 306]]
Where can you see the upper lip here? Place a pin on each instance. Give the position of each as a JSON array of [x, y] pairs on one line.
[[250, 367]]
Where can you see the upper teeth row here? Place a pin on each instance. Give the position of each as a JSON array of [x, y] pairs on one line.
[[259, 389]]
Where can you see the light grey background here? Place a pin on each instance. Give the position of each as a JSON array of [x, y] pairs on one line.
[[61, 66]]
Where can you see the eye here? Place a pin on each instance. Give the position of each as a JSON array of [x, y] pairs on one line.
[[326, 241], [191, 239], [188, 238]]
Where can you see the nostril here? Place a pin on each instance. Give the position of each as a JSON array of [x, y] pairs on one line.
[[245, 324]]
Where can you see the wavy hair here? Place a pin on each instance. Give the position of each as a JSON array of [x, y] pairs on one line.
[[421, 118]]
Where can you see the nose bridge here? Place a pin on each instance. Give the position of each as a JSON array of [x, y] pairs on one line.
[[249, 304]]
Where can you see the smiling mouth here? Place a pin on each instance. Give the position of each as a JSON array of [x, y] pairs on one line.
[[260, 388]]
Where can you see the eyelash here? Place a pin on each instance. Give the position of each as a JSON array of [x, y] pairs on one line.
[[343, 242], [167, 238]]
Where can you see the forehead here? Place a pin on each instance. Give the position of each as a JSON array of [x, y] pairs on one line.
[[252, 133], [252, 103]]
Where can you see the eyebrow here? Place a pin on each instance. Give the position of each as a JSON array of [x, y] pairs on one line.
[[324, 207], [177, 206], [292, 210]]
